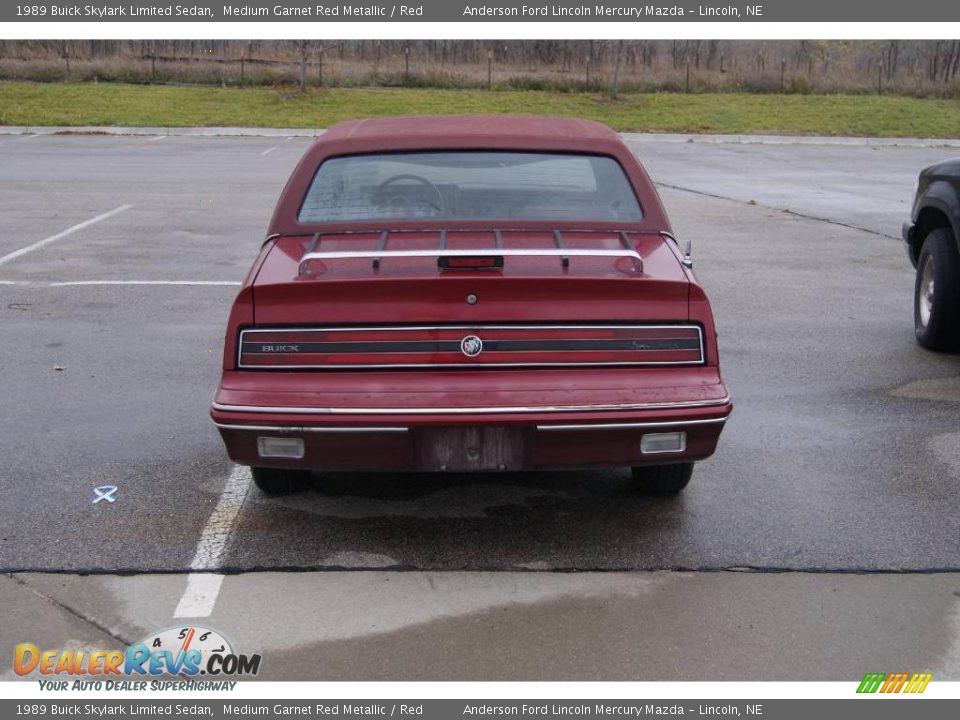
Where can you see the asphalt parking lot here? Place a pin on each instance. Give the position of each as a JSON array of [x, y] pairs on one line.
[[842, 455]]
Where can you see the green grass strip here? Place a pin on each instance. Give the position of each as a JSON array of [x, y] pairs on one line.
[[72, 104]]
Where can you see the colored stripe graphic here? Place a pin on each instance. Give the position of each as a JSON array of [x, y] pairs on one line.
[[918, 683], [871, 682], [894, 682]]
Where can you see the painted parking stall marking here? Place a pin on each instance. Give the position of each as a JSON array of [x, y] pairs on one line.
[[214, 283], [9, 257], [128, 283], [203, 586]]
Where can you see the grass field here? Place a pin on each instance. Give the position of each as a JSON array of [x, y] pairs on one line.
[[38, 104]]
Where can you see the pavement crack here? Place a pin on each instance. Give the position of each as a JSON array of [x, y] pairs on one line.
[[71, 611], [787, 211]]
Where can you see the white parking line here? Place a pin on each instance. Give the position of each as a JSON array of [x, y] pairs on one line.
[[93, 283], [200, 595], [202, 589], [270, 150], [59, 236], [158, 138], [216, 283]]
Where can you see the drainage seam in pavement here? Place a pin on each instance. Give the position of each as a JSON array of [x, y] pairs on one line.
[[755, 569], [67, 609], [771, 207]]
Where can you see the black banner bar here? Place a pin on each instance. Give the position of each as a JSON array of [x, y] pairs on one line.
[[487, 11], [872, 707]]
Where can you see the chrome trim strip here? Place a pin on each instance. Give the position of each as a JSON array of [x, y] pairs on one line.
[[547, 226], [480, 326], [631, 426], [474, 366], [613, 407], [479, 252], [472, 328], [304, 429]]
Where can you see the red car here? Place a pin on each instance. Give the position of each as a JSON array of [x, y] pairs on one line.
[[470, 294]]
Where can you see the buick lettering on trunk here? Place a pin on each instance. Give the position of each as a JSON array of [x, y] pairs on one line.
[[470, 294]]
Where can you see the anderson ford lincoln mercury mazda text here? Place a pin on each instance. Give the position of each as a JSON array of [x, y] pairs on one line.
[[469, 294]]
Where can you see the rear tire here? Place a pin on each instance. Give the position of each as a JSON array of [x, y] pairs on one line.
[[662, 479], [276, 482], [936, 296]]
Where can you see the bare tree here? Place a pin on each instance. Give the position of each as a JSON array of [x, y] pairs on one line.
[[305, 50], [615, 85]]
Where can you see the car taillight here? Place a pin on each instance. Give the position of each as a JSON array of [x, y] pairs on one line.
[[468, 346], [480, 262]]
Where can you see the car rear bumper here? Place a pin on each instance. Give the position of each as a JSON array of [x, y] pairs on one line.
[[512, 431], [525, 444]]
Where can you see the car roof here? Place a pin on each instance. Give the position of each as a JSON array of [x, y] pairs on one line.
[[484, 129]]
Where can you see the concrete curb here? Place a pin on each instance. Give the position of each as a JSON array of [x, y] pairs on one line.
[[630, 136], [791, 140], [173, 131]]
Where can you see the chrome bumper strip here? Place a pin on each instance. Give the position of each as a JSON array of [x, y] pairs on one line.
[[613, 407], [632, 426], [295, 428]]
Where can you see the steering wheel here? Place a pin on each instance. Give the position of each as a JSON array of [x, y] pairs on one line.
[[440, 207]]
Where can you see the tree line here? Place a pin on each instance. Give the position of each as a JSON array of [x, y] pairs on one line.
[[796, 65]]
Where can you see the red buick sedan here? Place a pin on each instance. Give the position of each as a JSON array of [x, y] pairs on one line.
[[470, 294]]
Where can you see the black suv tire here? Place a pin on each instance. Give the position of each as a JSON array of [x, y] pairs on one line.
[[936, 295]]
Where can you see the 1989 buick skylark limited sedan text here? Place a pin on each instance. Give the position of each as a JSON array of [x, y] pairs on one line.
[[470, 294]]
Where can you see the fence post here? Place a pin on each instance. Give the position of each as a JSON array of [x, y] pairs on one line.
[[783, 71], [687, 84], [880, 78], [406, 67], [489, 69], [153, 67], [588, 70], [320, 68], [242, 63]]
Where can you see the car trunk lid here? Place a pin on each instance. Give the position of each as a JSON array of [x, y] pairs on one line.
[[381, 310]]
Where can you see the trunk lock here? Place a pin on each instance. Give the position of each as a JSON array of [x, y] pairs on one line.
[[472, 299]]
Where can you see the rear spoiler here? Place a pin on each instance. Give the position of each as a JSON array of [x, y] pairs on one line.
[[494, 254]]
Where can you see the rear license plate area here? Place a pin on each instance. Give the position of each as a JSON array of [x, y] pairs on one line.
[[470, 448]]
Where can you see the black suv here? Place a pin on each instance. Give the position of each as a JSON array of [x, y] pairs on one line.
[[933, 244]]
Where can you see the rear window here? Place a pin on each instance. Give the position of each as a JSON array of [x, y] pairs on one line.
[[470, 186]]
